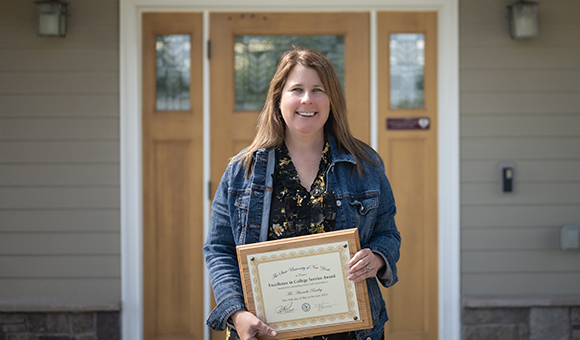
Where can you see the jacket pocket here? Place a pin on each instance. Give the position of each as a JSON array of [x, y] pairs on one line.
[[364, 205]]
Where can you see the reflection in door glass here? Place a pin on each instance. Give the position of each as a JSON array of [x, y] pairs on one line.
[[173, 64], [256, 58], [407, 60]]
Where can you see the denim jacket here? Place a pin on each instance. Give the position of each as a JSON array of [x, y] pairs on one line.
[[240, 214]]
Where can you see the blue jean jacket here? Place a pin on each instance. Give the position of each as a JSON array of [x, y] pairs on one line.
[[240, 213]]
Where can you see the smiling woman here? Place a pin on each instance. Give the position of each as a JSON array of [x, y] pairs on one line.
[[303, 150]]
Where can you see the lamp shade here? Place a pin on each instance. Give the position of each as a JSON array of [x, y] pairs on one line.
[[523, 16], [51, 18]]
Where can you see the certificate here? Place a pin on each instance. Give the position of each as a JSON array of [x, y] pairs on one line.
[[299, 286]]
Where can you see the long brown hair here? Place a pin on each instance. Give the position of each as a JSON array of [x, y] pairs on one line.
[[270, 125]]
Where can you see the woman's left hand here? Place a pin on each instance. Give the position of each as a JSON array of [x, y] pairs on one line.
[[364, 264]]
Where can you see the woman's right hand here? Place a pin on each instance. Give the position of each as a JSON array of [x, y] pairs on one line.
[[248, 325]]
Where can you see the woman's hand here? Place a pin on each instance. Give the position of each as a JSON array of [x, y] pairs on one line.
[[248, 325], [364, 264]]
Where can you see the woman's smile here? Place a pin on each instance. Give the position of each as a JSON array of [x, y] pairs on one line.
[[306, 114]]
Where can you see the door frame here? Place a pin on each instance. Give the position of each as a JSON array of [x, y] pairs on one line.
[[131, 139]]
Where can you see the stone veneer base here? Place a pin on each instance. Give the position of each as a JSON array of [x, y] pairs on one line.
[[60, 326], [524, 318]]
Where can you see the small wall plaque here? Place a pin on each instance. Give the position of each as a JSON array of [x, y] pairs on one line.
[[415, 123]]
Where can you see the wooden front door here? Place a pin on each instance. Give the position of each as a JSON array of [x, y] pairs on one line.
[[172, 176], [172, 146]]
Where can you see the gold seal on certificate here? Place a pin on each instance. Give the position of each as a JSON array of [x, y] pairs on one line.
[[299, 286]]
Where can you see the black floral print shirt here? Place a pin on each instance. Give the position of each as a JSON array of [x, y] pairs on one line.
[[294, 210]]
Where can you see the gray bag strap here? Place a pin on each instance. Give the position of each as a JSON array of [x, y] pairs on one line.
[[268, 195]]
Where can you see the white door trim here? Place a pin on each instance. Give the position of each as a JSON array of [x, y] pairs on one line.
[[131, 148]]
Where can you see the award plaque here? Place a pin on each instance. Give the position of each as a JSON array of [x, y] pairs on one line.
[[298, 286]]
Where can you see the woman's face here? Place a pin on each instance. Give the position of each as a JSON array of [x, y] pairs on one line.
[[304, 103]]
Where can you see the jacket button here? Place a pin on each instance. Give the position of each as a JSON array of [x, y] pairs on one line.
[[369, 338], [338, 203], [332, 169]]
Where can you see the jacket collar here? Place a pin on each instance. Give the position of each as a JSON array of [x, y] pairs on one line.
[[338, 154]]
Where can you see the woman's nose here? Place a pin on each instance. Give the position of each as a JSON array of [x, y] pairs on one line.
[[306, 99]]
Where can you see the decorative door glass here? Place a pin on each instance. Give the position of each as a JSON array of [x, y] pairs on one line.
[[407, 61], [173, 68], [256, 58]]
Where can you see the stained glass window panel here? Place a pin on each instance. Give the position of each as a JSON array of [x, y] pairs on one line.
[[256, 58], [407, 61], [173, 68]]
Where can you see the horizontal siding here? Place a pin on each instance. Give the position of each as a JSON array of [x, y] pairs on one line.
[[522, 126], [58, 266], [59, 152], [59, 175], [68, 83], [61, 105], [38, 243], [551, 12], [81, 36], [61, 220], [519, 104], [516, 81], [54, 60], [59, 129], [59, 159], [518, 149], [539, 171], [39, 293], [520, 58], [511, 261], [531, 216], [535, 283], [524, 193], [493, 35], [59, 198], [527, 238]]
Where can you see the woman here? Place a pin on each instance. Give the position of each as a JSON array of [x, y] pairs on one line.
[[323, 179]]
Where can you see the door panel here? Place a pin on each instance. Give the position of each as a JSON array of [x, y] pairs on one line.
[[172, 176], [233, 130], [410, 154]]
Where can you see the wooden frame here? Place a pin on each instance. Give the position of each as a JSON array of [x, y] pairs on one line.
[[303, 270]]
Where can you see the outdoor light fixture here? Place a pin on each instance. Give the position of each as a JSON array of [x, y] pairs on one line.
[[51, 18], [523, 16]]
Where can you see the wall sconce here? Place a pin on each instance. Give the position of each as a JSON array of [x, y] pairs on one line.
[[51, 18], [523, 16]]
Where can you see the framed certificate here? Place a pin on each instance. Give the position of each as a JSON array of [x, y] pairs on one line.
[[299, 287]]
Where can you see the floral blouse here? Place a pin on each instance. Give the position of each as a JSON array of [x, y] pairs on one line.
[[296, 211]]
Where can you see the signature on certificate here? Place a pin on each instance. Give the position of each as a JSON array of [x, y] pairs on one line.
[[324, 305], [284, 309]]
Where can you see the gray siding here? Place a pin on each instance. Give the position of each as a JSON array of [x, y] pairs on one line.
[[520, 103], [59, 160]]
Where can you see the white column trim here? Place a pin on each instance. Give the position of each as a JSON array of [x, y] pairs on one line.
[[374, 82], [206, 165], [131, 173]]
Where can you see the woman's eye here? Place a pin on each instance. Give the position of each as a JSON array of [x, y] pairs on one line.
[[318, 90], [296, 89]]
